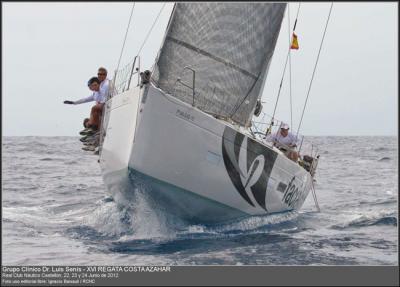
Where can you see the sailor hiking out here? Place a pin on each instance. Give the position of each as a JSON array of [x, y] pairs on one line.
[[100, 87]]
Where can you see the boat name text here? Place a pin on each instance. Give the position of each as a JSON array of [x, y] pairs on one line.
[[184, 115], [293, 194]]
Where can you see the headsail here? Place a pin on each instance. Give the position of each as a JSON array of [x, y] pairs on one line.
[[229, 46]]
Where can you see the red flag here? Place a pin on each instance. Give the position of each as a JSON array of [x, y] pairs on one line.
[[295, 43]]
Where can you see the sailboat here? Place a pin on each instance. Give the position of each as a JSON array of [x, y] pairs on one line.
[[182, 135]]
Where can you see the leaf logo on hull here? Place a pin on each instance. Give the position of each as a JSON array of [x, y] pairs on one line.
[[249, 165], [254, 171]]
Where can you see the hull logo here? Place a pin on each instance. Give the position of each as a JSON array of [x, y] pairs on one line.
[[249, 165]]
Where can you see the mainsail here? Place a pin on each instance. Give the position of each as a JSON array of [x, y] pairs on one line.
[[229, 46]]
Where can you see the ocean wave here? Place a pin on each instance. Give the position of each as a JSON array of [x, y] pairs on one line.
[[140, 222], [381, 149], [55, 209], [258, 223], [85, 232], [379, 202], [367, 220], [46, 159], [387, 220]]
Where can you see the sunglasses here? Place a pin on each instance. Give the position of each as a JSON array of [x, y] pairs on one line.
[[101, 74]]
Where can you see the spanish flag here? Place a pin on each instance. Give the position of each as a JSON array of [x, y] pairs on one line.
[[295, 44]]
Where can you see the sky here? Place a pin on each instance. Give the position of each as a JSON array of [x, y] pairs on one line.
[[50, 50]]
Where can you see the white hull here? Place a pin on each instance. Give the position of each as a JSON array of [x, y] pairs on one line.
[[197, 167]]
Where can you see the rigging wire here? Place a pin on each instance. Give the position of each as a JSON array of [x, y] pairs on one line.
[[148, 33], [290, 60], [315, 196], [283, 75], [280, 87], [141, 47], [315, 67], [297, 15], [126, 35], [102, 132], [290, 68]]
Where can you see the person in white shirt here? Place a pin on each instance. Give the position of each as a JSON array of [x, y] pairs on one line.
[[95, 115], [285, 141], [104, 82]]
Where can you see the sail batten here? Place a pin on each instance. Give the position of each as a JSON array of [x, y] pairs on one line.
[[228, 45]]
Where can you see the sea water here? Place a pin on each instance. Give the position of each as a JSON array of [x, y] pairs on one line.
[[56, 211]]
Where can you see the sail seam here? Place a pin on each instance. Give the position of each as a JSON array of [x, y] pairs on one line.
[[216, 58]]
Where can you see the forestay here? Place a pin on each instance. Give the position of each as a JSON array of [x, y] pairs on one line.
[[229, 46]]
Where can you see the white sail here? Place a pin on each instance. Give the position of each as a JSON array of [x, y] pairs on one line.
[[229, 46]]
